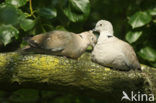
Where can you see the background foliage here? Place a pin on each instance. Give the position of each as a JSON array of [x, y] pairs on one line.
[[134, 21]]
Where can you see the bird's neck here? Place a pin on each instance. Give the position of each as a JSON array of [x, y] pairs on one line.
[[104, 35]]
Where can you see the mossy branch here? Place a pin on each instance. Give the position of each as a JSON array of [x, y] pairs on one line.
[[80, 76]]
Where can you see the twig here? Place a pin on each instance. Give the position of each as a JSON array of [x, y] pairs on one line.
[[31, 10]]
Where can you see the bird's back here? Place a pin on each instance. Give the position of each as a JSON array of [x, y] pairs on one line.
[[50, 40], [57, 39]]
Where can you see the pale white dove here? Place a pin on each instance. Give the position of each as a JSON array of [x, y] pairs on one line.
[[111, 51]]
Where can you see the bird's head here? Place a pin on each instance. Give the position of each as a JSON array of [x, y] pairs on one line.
[[103, 25], [89, 37]]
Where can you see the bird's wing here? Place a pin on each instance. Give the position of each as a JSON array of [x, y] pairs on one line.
[[129, 52], [57, 40]]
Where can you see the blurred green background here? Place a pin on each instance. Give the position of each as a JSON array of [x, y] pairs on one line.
[[134, 21]]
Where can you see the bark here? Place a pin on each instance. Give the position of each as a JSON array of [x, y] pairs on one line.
[[80, 77]]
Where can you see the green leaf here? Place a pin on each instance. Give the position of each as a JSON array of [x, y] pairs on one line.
[[153, 64], [139, 19], [89, 48], [132, 37], [47, 13], [23, 16], [7, 32], [59, 27], [27, 24], [8, 14], [77, 10], [154, 21], [81, 5], [16, 3], [152, 11], [148, 53]]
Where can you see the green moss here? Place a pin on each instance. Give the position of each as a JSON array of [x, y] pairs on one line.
[[63, 72]]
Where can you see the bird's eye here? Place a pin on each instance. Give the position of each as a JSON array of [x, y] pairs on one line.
[[100, 24], [92, 38]]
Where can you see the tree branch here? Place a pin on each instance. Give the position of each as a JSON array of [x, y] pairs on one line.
[[76, 76]]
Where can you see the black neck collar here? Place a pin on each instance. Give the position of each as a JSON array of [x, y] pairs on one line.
[[109, 36]]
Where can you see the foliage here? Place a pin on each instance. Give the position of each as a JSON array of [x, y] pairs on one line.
[[47, 15], [139, 19], [7, 32], [134, 21], [142, 23]]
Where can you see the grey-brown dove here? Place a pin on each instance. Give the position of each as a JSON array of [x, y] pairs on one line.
[[111, 51], [62, 43]]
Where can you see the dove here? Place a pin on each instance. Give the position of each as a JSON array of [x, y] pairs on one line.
[[111, 51], [62, 43]]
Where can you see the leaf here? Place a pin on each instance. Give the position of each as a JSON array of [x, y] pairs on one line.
[[16, 3], [139, 19], [153, 64], [59, 27], [148, 53], [47, 13], [152, 11], [7, 32], [132, 37], [77, 10], [154, 21], [27, 24], [90, 48], [81, 5], [8, 14], [23, 16]]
